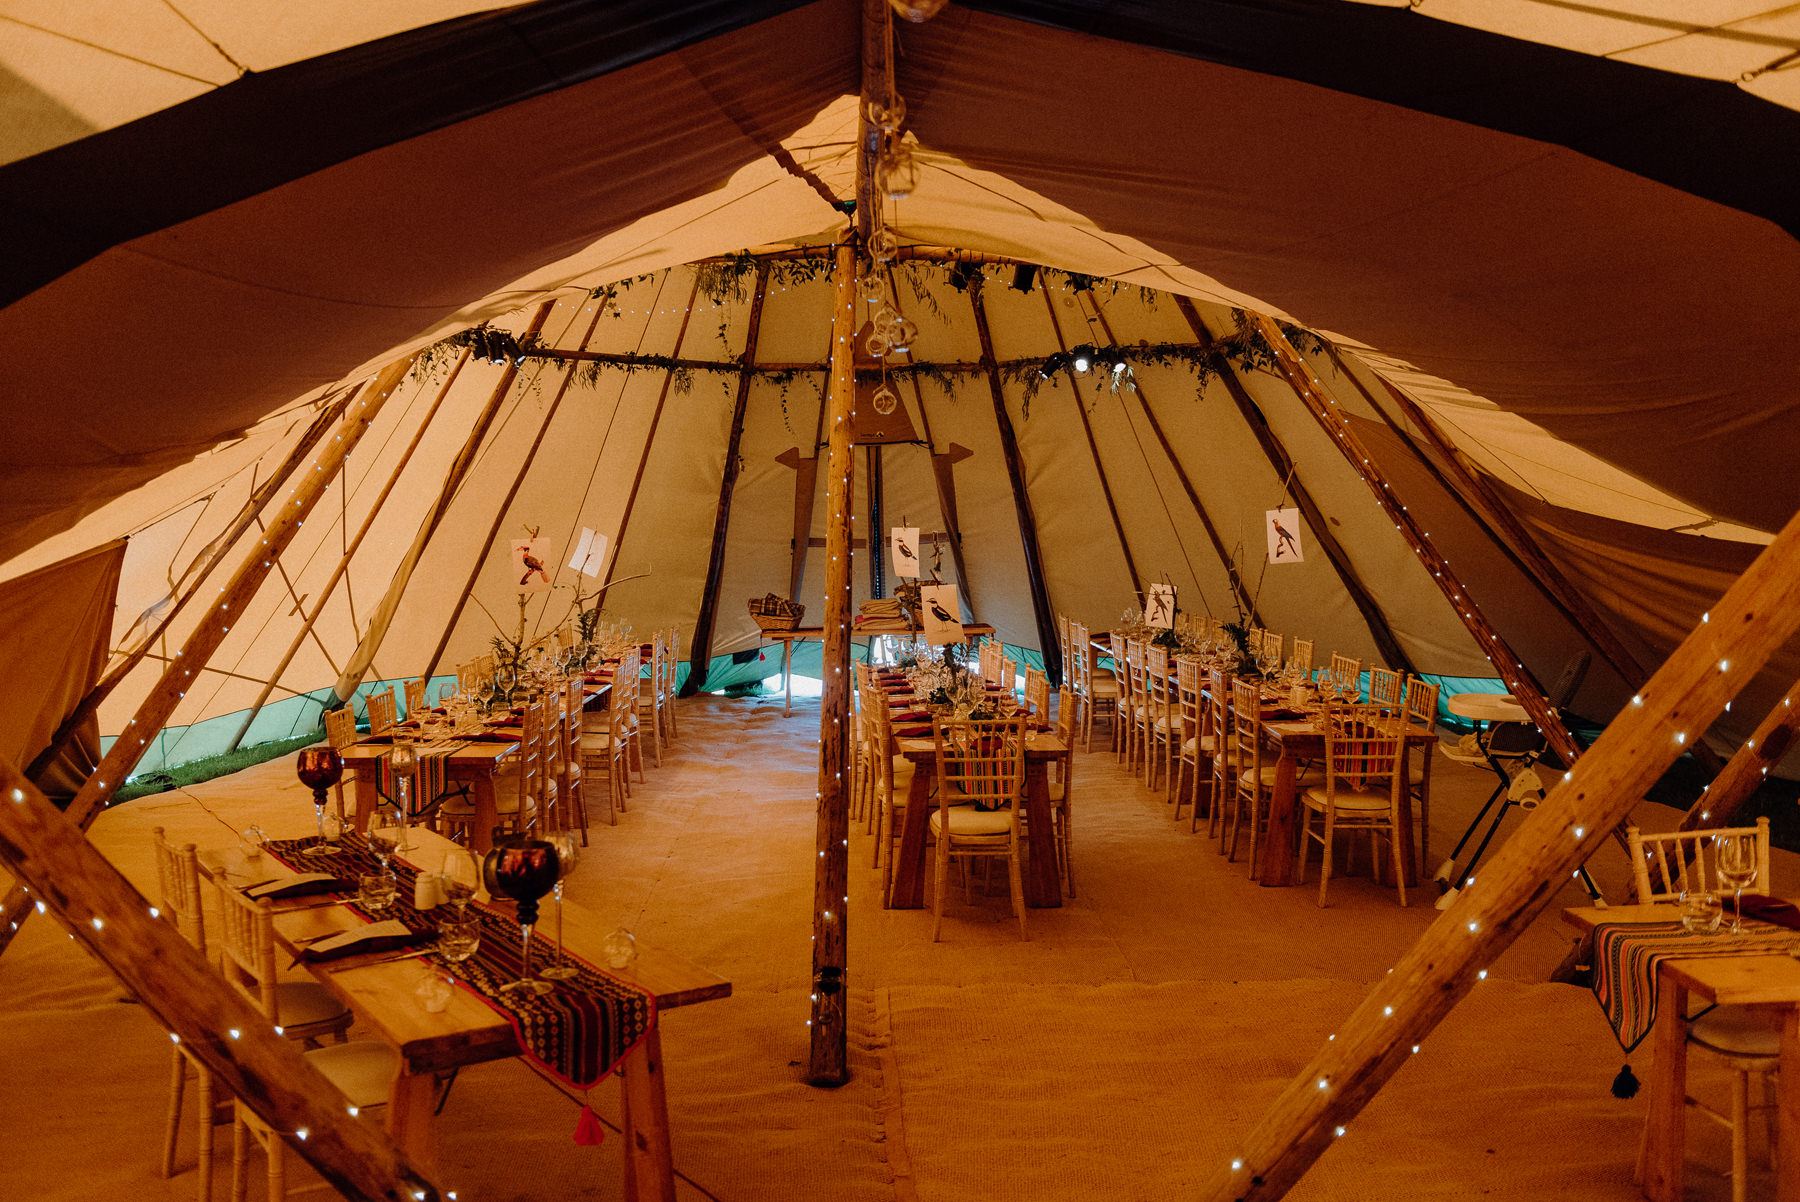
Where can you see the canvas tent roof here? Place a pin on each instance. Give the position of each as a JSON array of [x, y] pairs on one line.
[[1582, 267]]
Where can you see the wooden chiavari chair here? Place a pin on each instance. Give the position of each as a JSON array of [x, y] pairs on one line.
[[650, 700], [1194, 740], [1131, 704], [1420, 711], [381, 711], [1303, 655], [1160, 721], [1386, 688], [362, 1071], [1224, 762], [1348, 674], [1094, 694], [1361, 790], [981, 776]]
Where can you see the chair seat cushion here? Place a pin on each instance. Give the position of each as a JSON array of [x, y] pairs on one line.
[[1104, 687], [1351, 801], [974, 823], [1204, 745], [505, 802], [1736, 1031], [596, 743], [1059, 791], [1302, 777], [303, 1003], [362, 1070]]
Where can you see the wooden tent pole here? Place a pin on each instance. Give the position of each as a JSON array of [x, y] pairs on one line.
[[1048, 643], [1748, 767], [90, 704], [1087, 428], [1511, 669], [829, 1063], [343, 564], [1516, 541], [637, 480], [462, 598], [1285, 469], [366, 647], [210, 631], [221, 1028], [1246, 603], [700, 655], [1718, 658]]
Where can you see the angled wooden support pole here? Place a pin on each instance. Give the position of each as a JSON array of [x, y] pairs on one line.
[[829, 1063], [1749, 766], [700, 656], [343, 566], [1045, 617], [383, 617], [1087, 428], [326, 420], [222, 1029], [637, 479], [1508, 666], [500, 510], [1722, 655], [223, 610]]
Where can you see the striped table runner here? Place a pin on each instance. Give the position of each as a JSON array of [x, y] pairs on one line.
[[578, 1032], [1626, 955]]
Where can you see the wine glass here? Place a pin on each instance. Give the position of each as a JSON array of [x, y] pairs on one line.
[[568, 850], [386, 830], [320, 768], [523, 869], [462, 878], [1735, 858]]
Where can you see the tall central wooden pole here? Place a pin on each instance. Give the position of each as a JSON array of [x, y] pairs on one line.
[[829, 1064]]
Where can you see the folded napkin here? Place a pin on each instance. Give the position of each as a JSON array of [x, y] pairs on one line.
[[912, 732], [509, 720], [1276, 713], [388, 936], [912, 716], [1769, 909], [376, 741], [488, 736], [304, 885]]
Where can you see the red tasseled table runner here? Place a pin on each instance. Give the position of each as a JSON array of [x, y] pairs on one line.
[[578, 1032]]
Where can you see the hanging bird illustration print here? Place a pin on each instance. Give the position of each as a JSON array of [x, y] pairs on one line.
[[939, 612], [904, 541]]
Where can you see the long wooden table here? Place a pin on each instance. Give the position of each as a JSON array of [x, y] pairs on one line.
[[1770, 981], [470, 763], [382, 990], [1297, 739], [1043, 868], [868, 630]]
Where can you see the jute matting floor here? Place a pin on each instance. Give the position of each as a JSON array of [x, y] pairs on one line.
[[1119, 1053]]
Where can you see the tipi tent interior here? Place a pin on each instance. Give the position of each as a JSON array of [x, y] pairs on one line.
[[1501, 296]]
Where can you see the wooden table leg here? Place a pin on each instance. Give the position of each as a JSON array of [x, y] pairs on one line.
[[368, 796], [1665, 1133], [410, 1118], [1787, 1109], [649, 1158], [487, 812], [787, 677], [909, 857], [1284, 826], [1043, 871]]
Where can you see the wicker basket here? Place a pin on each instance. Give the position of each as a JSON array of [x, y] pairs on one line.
[[776, 613]]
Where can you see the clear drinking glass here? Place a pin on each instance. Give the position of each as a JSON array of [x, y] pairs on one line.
[[1735, 858], [568, 850], [461, 875], [386, 831]]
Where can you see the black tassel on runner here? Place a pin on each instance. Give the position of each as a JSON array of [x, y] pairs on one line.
[[1625, 1085]]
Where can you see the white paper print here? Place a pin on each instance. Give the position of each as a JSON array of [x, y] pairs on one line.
[[590, 553], [903, 541], [1284, 536], [1159, 606], [530, 565], [939, 613]]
